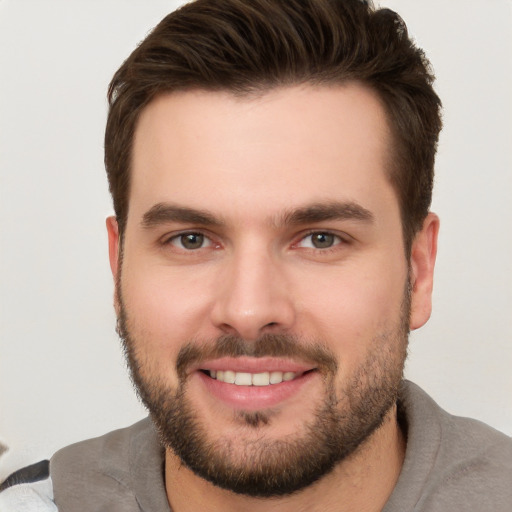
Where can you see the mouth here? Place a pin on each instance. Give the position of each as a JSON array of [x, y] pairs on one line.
[[265, 378], [254, 384]]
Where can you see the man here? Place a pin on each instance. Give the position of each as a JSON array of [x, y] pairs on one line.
[[271, 166]]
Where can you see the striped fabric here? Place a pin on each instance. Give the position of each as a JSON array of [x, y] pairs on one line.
[[28, 490]]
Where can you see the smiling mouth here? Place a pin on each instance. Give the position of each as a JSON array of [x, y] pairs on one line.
[[253, 379]]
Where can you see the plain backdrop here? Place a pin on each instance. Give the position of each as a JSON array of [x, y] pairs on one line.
[[62, 374]]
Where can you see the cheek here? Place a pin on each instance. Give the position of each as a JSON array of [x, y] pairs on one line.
[[349, 307], [165, 308]]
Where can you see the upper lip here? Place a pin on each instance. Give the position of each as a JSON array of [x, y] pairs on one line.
[[253, 365]]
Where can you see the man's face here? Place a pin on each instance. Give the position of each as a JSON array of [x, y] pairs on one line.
[[264, 246]]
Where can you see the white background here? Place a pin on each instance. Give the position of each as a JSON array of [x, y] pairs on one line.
[[62, 375]]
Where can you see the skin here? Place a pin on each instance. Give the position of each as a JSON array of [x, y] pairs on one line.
[[248, 162]]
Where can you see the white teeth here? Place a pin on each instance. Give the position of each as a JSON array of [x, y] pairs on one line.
[[251, 379], [276, 377], [243, 379], [229, 376], [261, 379]]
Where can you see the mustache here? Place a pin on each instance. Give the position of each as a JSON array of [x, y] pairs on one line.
[[268, 345]]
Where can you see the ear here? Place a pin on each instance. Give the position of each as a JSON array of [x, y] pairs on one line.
[[113, 245], [423, 259]]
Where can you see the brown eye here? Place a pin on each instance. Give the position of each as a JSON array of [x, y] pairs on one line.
[[190, 241], [322, 240]]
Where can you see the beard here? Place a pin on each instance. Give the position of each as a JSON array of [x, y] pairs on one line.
[[344, 419]]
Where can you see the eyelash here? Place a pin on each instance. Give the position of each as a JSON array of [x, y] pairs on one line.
[[180, 236], [338, 240]]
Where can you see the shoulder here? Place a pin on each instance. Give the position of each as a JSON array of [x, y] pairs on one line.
[[111, 449], [28, 490], [474, 464], [452, 462], [456, 438], [106, 457], [112, 472], [84, 475]]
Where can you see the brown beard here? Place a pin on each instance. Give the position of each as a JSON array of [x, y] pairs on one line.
[[276, 467]]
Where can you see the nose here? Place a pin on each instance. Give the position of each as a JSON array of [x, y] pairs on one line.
[[253, 297]]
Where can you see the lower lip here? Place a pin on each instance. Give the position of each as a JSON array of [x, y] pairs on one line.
[[253, 398]]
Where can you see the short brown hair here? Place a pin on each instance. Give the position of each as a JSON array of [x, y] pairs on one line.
[[247, 46]]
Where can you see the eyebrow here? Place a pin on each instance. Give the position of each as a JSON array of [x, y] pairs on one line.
[[334, 210], [162, 213]]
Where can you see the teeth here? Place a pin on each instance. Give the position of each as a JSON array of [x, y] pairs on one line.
[[251, 379], [229, 377], [243, 379], [276, 377], [261, 379]]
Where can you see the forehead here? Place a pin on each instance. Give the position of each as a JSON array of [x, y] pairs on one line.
[[289, 145]]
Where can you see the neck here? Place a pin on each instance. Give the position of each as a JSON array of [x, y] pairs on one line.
[[374, 466]]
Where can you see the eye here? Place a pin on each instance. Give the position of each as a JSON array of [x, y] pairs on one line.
[[319, 240], [190, 241]]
